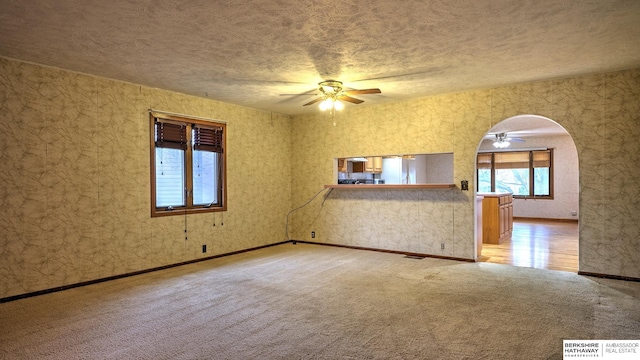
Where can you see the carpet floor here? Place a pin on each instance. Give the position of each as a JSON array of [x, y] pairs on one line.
[[317, 302]]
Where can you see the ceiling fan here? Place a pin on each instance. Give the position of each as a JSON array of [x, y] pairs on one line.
[[502, 141], [331, 91]]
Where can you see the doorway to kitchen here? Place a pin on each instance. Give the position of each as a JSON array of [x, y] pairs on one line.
[[534, 159]]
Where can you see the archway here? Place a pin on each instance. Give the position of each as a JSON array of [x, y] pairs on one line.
[[545, 195]]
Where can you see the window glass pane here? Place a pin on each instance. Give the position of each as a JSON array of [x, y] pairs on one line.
[[205, 177], [513, 180], [484, 180], [169, 177], [541, 182]]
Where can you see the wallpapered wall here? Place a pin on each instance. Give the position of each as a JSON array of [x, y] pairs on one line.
[[74, 180], [601, 112], [74, 193]]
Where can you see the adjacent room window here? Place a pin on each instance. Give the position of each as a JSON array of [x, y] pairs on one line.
[[526, 174], [187, 165]]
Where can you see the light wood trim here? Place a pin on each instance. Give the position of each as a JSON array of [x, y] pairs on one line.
[[389, 186]]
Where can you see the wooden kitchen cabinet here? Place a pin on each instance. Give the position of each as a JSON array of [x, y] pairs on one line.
[[374, 164], [479, 226], [359, 166], [377, 164], [368, 165], [497, 217], [342, 165]]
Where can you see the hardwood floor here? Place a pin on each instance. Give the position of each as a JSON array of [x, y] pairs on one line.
[[543, 244]]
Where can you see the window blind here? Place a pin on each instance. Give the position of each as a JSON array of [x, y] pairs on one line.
[[484, 161], [542, 159], [512, 160], [170, 135], [208, 138]]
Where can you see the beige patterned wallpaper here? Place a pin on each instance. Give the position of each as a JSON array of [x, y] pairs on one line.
[[74, 195], [601, 113], [74, 184]]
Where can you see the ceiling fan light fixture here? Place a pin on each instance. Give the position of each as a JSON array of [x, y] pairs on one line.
[[330, 103], [331, 92], [327, 89], [501, 141], [326, 104], [501, 144]]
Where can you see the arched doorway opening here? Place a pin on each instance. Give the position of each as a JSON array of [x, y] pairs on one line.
[[535, 159]]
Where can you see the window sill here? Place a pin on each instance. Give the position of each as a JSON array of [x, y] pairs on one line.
[[161, 213]]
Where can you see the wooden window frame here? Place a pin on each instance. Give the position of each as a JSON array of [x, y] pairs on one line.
[[220, 147], [531, 174]]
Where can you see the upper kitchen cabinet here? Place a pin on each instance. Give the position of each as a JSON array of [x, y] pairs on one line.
[[377, 163], [359, 166], [373, 164], [370, 164], [342, 165]]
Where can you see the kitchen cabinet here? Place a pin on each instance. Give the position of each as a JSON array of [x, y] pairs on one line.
[[377, 164], [368, 165], [497, 217], [372, 165], [342, 165], [359, 166], [479, 226]]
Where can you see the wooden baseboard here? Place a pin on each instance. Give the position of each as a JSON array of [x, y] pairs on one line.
[[607, 276], [115, 277], [544, 219], [407, 253]]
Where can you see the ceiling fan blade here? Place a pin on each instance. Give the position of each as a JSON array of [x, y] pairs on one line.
[[363, 92], [350, 99], [313, 101]]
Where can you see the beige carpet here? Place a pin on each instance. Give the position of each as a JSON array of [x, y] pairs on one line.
[[315, 302]]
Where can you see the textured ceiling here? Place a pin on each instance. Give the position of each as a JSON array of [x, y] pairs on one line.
[[251, 52]]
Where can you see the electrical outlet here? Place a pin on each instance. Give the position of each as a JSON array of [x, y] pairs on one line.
[[204, 248], [313, 234], [441, 246]]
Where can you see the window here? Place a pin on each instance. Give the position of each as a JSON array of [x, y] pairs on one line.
[[187, 165], [526, 174]]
